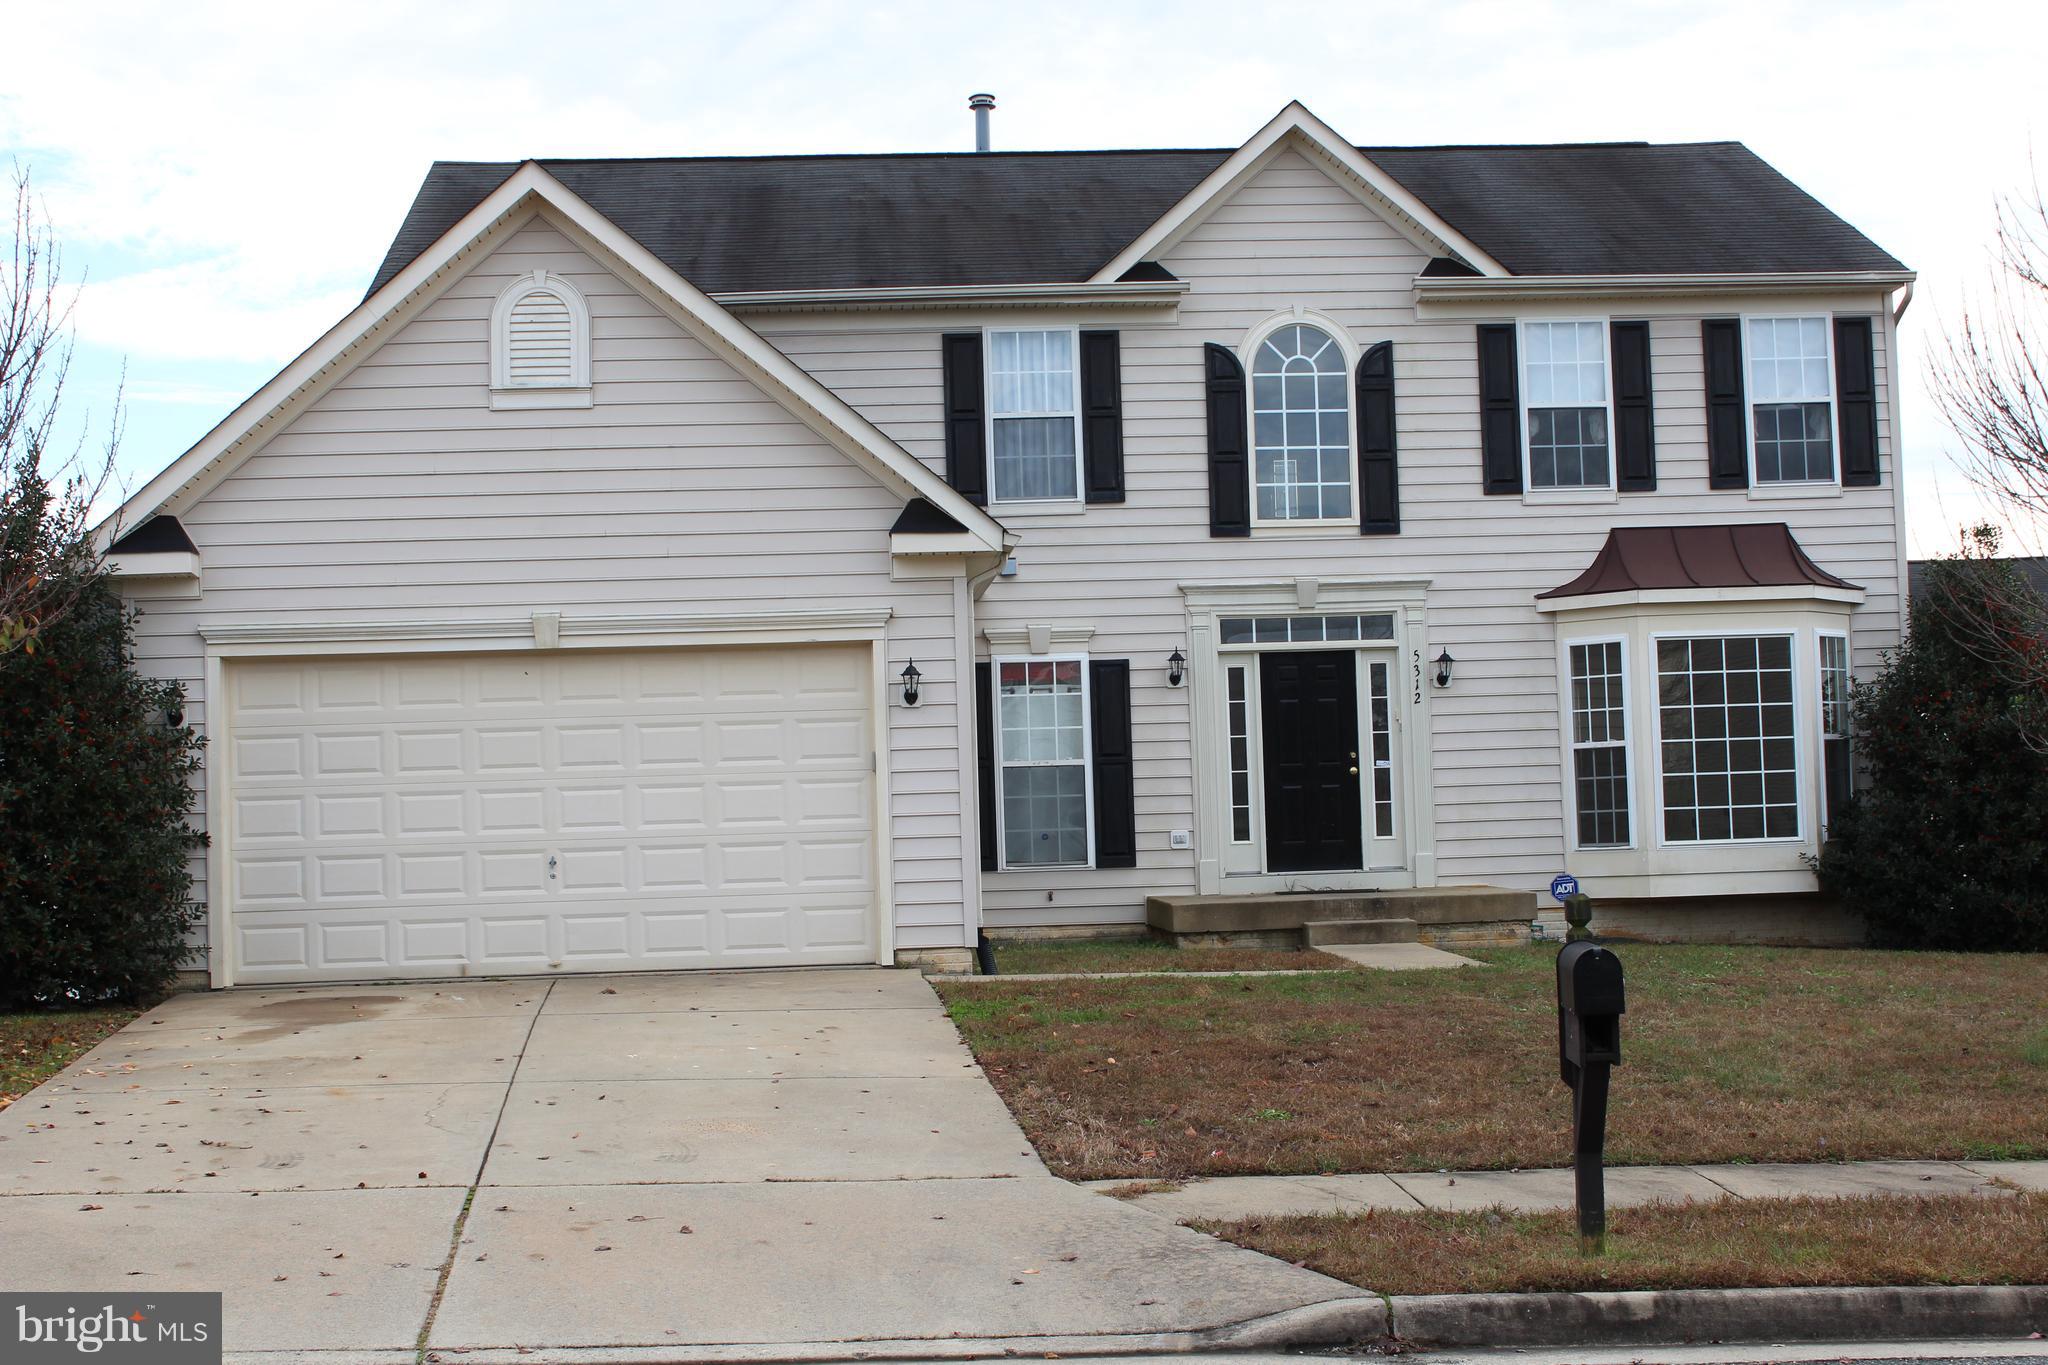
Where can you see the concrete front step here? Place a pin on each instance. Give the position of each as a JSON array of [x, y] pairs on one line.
[[1319, 933], [1429, 908]]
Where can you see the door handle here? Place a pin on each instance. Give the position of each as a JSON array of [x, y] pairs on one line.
[[1354, 772]]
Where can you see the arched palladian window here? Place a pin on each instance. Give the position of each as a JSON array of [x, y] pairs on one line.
[[540, 344], [1301, 427]]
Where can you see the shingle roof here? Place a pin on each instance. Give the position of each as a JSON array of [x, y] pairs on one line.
[[1637, 558], [731, 224]]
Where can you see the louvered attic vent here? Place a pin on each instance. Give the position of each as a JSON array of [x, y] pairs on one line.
[[540, 345]]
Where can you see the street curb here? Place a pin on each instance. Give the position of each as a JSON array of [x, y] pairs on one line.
[[1677, 1316]]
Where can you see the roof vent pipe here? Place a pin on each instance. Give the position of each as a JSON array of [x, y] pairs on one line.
[[981, 104]]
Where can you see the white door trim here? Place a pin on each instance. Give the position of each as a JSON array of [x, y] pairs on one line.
[[226, 642], [1207, 604]]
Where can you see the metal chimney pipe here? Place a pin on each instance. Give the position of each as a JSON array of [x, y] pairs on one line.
[[981, 104]]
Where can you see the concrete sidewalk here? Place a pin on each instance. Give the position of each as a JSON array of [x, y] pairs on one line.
[[1269, 1196]]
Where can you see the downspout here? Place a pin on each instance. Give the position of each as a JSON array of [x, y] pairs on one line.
[[1905, 302]]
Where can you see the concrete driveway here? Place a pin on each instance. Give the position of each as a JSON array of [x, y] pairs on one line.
[[800, 1164]]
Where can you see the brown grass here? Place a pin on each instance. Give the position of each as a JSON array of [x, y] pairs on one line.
[[1734, 1244], [1026, 956], [1729, 1054], [38, 1045]]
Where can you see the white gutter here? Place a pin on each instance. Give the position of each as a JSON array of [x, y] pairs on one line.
[[1134, 294], [1450, 288], [1905, 302]]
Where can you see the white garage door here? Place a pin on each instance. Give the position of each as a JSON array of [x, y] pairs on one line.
[[431, 816]]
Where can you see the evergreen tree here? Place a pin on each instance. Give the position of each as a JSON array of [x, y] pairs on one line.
[[1948, 845], [96, 769]]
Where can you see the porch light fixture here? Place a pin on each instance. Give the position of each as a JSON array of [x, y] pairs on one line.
[[910, 676], [1176, 669], [1444, 661]]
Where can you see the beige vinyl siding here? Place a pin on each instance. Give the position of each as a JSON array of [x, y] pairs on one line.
[[1293, 237], [399, 494]]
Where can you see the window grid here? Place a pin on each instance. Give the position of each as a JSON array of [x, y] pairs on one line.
[[1301, 427], [1728, 742], [1240, 755], [1281, 630], [1382, 750], [1033, 404], [1564, 377], [1791, 399], [1042, 708], [1600, 744], [1838, 776]]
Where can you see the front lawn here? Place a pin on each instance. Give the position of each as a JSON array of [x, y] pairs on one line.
[[1730, 1054], [1018, 957], [37, 1045], [1732, 1244]]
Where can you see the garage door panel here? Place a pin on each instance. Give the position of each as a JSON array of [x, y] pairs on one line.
[[399, 817]]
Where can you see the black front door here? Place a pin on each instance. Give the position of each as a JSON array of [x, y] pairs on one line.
[[1308, 705]]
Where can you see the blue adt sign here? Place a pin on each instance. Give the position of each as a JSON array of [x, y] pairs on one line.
[[1562, 885]]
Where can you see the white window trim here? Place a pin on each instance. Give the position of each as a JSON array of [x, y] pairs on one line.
[[995, 665], [1792, 488], [1254, 757], [507, 395], [1820, 718], [1801, 766], [1628, 747], [1247, 354], [1591, 492], [990, 416]]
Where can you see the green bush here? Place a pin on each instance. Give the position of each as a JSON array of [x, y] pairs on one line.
[[1947, 845], [95, 789]]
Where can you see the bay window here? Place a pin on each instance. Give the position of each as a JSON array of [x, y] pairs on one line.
[[1837, 777], [1599, 744], [1727, 741]]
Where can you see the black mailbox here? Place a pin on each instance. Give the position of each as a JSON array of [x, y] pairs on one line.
[[1590, 1003]]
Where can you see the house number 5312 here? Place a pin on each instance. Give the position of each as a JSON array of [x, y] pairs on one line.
[[1416, 657]]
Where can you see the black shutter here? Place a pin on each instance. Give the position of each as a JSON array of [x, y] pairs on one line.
[[1116, 811], [1230, 506], [985, 750], [966, 439], [1102, 416], [1635, 435], [1856, 390], [1379, 475], [1727, 422], [1500, 408]]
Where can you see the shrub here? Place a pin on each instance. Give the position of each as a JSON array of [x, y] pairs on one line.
[[96, 769], [1947, 846]]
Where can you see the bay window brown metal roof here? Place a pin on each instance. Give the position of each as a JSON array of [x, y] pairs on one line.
[[1649, 558]]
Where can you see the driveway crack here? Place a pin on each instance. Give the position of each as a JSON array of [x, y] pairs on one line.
[[419, 1351]]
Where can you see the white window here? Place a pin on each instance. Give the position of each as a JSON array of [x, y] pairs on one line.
[[1034, 404], [1301, 427], [1599, 743], [1791, 400], [1240, 717], [1042, 747], [1837, 777], [1565, 395], [1729, 748], [540, 344]]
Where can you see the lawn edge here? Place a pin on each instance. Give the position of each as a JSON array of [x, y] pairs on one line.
[[1679, 1316]]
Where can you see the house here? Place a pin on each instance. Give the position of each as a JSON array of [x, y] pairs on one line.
[[819, 559]]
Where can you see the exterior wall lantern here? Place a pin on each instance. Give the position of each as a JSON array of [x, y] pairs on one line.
[[910, 676], [1176, 669], [1444, 661]]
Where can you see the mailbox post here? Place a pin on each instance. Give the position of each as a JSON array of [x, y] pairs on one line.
[[1590, 1004]]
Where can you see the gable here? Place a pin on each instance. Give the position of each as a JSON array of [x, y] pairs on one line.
[[1291, 210]]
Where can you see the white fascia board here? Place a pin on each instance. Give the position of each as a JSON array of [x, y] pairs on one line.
[[1381, 190], [821, 409], [318, 366], [155, 564], [1134, 294], [915, 543], [1472, 288], [1661, 597]]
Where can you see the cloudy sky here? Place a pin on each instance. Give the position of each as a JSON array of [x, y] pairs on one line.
[[227, 176]]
